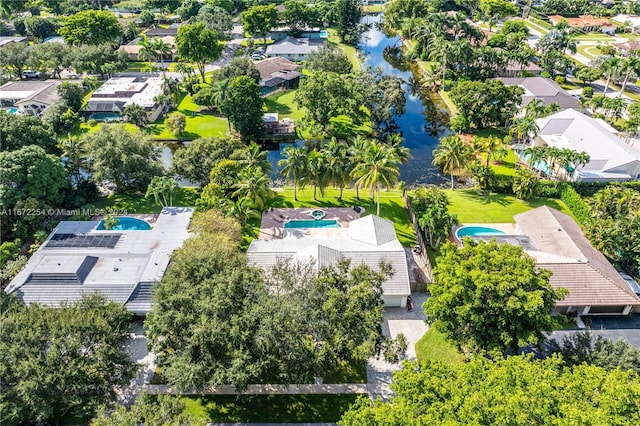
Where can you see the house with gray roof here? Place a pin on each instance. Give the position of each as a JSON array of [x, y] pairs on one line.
[[123, 265], [611, 159], [30, 97], [276, 74], [558, 244], [369, 240], [294, 49], [545, 89], [13, 39]]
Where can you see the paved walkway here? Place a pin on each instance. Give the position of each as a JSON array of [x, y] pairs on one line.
[[269, 389]]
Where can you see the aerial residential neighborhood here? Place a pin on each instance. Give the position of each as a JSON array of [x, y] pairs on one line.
[[336, 212]]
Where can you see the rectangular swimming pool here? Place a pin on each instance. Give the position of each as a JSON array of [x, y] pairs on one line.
[[294, 224]]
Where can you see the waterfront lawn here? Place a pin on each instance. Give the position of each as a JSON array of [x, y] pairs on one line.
[[132, 202], [473, 207], [392, 206], [269, 408], [434, 347], [350, 51]]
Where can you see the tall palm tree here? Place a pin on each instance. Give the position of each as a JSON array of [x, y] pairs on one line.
[[356, 151], [493, 146], [610, 66], [161, 49], [534, 108], [452, 154], [379, 167], [395, 142], [440, 52], [253, 185], [294, 166], [147, 52], [74, 152], [525, 128], [630, 64], [316, 172], [257, 158], [337, 162], [243, 210]]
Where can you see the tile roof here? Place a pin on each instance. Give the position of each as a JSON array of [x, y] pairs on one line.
[[575, 263], [269, 66], [45, 92], [542, 88]]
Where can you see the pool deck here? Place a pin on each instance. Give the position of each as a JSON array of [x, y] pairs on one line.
[[273, 220]]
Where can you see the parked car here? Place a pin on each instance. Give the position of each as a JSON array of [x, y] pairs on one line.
[[30, 74], [633, 285]]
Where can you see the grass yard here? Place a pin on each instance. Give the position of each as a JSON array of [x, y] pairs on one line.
[[350, 51], [453, 109], [472, 207], [351, 372], [282, 103], [503, 166], [137, 203], [392, 206], [434, 347], [373, 8], [269, 408]]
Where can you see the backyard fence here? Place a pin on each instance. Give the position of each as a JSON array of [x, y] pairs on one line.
[[421, 248]]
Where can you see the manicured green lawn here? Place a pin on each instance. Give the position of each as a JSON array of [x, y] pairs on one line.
[[504, 166], [434, 347], [350, 51], [351, 372], [137, 203], [453, 109], [392, 206], [269, 408], [473, 207]]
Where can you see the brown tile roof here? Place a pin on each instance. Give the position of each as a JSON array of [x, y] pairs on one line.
[[628, 46], [269, 66], [583, 21], [575, 263]]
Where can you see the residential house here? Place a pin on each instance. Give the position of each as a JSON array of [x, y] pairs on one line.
[[118, 92], [628, 47], [7, 40], [630, 21], [132, 49], [585, 22], [369, 240], [314, 33], [276, 74], [123, 265], [611, 159], [29, 97], [294, 49], [559, 245], [171, 30], [545, 89]]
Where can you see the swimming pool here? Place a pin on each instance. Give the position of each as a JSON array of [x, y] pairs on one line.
[[106, 116], [477, 231], [126, 224], [296, 224], [324, 34], [11, 110]]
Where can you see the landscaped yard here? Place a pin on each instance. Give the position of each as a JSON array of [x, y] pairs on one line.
[[350, 51], [473, 207], [269, 408], [392, 206], [137, 203], [433, 347]]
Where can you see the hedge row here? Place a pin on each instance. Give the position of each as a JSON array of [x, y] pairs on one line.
[[503, 184], [575, 203]]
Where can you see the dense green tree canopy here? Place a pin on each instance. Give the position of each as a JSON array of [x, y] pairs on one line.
[[100, 59], [90, 27], [61, 363], [40, 27], [149, 410], [347, 20], [127, 160], [486, 104], [14, 58], [515, 391], [197, 43], [17, 131], [238, 67], [195, 161], [242, 105], [216, 19], [50, 58], [297, 15], [490, 297], [430, 206], [328, 59], [260, 20]]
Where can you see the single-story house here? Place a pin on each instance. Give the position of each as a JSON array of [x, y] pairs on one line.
[[595, 287], [123, 265], [516, 69], [7, 40], [171, 30], [294, 49], [545, 89], [30, 97], [611, 159], [584, 22], [632, 21], [628, 47], [314, 33], [118, 92], [368, 240], [132, 49], [277, 73]]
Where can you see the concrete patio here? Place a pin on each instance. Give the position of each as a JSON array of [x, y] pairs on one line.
[[273, 220]]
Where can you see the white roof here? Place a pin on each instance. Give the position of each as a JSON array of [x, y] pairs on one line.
[[130, 90], [633, 20], [57, 274], [609, 155], [369, 240], [292, 46]]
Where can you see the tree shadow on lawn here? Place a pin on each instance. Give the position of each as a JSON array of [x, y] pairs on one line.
[[273, 105], [486, 199]]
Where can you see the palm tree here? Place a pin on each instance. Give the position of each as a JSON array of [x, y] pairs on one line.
[[243, 210], [395, 141], [525, 128], [630, 64], [147, 52], [294, 166], [337, 164], [379, 167], [161, 49], [452, 154], [257, 158], [316, 171], [253, 185], [357, 151], [493, 146], [534, 108], [73, 151], [611, 66], [525, 184], [440, 52]]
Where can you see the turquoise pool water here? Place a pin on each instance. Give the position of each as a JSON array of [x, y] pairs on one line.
[[324, 34], [127, 224], [477, 231], [11, 110], [106, 116], [294, 224]]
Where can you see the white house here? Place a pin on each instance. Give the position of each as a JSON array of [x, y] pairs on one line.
[[611, 159], [118, 92], [123, 265], [369, 240], [29, 97], [294, 49]]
